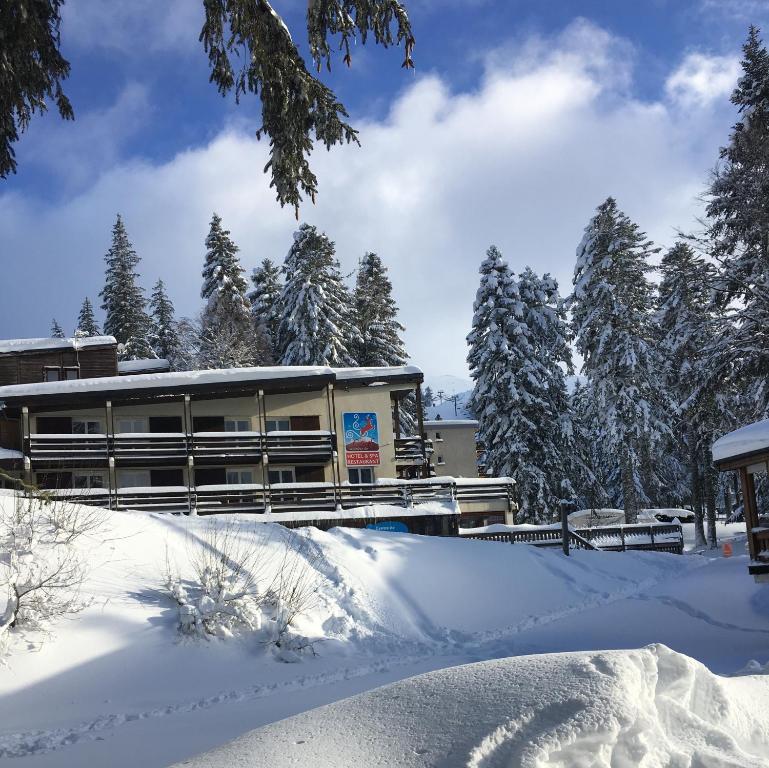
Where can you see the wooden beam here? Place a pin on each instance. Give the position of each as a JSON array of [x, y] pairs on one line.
[[749, 506]]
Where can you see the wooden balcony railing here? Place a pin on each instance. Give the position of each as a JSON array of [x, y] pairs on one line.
[[67, 448], [412, 449], [299, 446], [139, 448], [227, 445]]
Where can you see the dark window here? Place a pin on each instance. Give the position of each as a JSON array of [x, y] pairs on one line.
[[166, 424], [305, 423], [361, 475], [51, 374], [51, 480], [309, 474], [71, 373], [208, 423], [166, 477], [215, 476], [54, 425]]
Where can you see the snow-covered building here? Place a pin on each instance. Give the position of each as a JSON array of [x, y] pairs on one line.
[[746, 451], [288, 438]]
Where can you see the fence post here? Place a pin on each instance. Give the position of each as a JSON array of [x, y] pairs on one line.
[[622, 536], [651, 535], [564, 529]]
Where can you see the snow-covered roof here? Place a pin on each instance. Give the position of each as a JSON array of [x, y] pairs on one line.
[[8, 346], [134, 366], [10, 453], [451, 423], [387, 372], [179, 379], [749, 439]]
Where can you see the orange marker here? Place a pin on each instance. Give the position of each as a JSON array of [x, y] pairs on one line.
[[727, 549]]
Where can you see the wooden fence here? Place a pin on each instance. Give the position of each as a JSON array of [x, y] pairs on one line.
[[662, 537]]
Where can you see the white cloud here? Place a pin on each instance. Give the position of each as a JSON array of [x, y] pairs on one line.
[[702, 79], [133, 27], [521, 161]]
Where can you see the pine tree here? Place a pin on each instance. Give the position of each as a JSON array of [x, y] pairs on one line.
[[428, 399], [518, 358], [228, 338], [738, 234], [165, 337], [56, 330], [317, 323], [86, 322], [123, 299], [376, 316], [611, 322], [492, 361], [265, 303]]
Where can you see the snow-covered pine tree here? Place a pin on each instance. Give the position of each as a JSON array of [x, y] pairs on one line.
[[611, 321], [738, 233], [376, 319], [428, 399], [86, 322], [165, 337], [376, 316], [56, 330], [227, 338], [518, 358], [265, 303], [317, 320], [123, 299]]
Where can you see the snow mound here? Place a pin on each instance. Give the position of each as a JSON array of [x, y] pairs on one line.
[[614, 709]]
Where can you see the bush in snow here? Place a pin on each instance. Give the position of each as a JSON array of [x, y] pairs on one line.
[[246, 579], [41, 569]]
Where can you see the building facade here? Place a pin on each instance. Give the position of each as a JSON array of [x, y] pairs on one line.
[[289, 440]]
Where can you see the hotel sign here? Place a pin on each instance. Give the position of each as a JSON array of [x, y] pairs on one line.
[[361, 439]]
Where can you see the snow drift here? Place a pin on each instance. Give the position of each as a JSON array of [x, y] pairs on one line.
[[614, 709]]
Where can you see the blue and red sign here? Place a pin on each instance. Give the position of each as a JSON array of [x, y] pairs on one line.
[[361, 439]]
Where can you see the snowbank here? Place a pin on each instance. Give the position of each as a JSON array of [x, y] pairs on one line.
[[650, 707]]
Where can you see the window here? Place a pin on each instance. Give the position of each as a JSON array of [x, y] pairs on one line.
[[87, 481], [237, 425], [240, 477], [440, 460], [86, 427], [134, 478], [281, 476], [132, 425], [51, 374], [361, 475], [438, 436], [278, 425], [71, 373]]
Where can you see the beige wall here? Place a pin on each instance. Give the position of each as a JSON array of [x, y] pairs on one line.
[[456, 446]]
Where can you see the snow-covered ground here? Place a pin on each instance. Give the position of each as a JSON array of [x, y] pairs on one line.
[[115, 686], [647, 707]]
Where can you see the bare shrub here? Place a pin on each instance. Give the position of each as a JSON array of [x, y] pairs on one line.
[[245, 579], [41, 571]]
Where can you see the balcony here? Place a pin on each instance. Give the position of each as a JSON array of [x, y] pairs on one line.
[[140, 448], [299, 447], [223, 447], [68, 450], [412, 450]]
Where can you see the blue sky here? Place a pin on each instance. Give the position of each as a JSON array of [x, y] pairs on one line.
[[521, 117]]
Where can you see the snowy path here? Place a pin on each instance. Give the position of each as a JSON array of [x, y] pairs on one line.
[[115, 688]]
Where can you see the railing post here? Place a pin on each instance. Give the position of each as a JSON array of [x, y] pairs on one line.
[[651, 535], [564, 529], [622, 537]]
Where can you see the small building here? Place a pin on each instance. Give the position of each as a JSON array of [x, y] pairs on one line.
[[746, 451], [455, 453]]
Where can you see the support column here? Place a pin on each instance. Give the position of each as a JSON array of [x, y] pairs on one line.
[[109, 431], [261, 407], [26, 444], [336, 472], [749, 505], [421, 429], [188, 441]]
